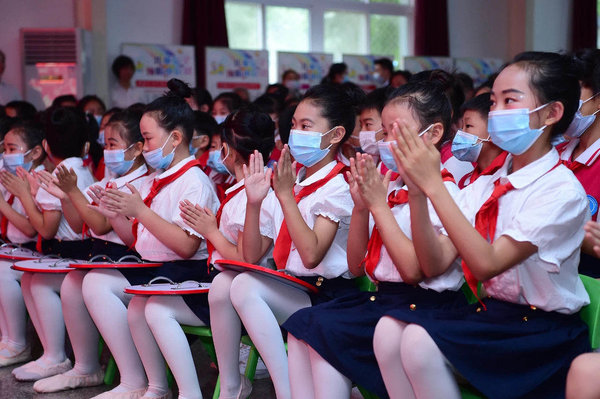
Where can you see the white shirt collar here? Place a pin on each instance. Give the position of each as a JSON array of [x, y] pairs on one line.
[[318, 175], [588, 157], [175, 168], [529, 173], [234, 187], [73, 162], [123, 180]]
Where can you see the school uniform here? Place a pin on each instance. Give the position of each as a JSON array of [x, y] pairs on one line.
[[192, 185], [477, 171], [587, 171], [522, 346], [455, 166], [342, 330], [66, 243], [110, 244]]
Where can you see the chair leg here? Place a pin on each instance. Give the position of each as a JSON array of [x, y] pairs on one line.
[[111, 371], [217, 388], [251, 364]]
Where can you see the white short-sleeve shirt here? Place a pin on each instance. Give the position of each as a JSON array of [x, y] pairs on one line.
[[135, 178], [233, 218], [194, 186], [452, 279], [332, 201], [547, 208], [48, 202]]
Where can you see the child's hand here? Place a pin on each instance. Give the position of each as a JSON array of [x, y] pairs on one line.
[[49, 183], [352, 176], [417, 158], [592, 232], [285, 174], [372, 186], [15, 185], [130, 205], [256, 181], [67, 179], [202, 220], [31, 178]]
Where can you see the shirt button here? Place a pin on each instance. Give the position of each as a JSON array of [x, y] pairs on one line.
[[413, 306], [372, 298], [524, 318], [533, 307], [478, 310]]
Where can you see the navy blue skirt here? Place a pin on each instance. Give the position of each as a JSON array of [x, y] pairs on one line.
[[178, 271], [509, 351], [341, 330], [111, 249], [80, 249], [329, 288]]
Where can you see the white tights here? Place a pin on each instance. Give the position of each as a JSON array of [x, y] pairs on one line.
[[13, 316], [41, 295], [263, 304], [411, 363], [107, 304]]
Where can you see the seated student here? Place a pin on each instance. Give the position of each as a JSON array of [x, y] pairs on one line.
[[581, 152], [247, 132], [20, 109], [224, 104], [64, 145], [371, 129], [123, 156], [519, 231], [23, 148], [352, 145], [473, 144], [217, 172], [204, 128], [158, 233], [330, 345]]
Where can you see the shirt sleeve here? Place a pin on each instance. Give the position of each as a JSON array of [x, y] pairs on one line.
[[333, 201], [47, 201], [197, 193]]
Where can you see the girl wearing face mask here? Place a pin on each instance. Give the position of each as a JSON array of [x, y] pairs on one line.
[[224, 104], [149, 220], [23, 146], [333, 341], [472, 143], [371, 128], [247, 132], [309, 215], [519, 232], [64, 144], [123, 156], [581, 152]]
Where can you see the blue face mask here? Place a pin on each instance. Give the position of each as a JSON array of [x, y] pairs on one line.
[[467, 147], [509, 129], [193, 150], [385, 152], [101, 138], [115, 161], [215, 162], [156, 159], [13, 161], [580, 122], [305, 146]]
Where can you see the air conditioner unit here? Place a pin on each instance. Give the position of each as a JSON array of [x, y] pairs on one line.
[[55, 62]]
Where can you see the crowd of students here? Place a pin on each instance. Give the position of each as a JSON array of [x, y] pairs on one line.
[[428, 187]]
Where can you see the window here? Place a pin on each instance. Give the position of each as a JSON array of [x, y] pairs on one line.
[[378, 27]]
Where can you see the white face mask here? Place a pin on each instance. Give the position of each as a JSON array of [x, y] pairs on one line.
[[220, 118], [581, 123], [509, 129], [368, 141]]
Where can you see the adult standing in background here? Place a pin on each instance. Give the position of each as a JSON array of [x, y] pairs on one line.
[[123, 94], [8, 92], [384, 68]]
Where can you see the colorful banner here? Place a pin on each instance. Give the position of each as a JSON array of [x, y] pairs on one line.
[[312, 67], [478, 68], [155, 64], [361, 68], [228, 69], [420, 64]]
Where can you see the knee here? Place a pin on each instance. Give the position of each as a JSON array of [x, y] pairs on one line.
[[155, 312], [95, 283], [71, 286], [387, 338], [136, 311], [220, 289], [581, 380], [244, 289], [417, 349]]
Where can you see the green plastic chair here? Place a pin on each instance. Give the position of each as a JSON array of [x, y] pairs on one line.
[[206, 338]]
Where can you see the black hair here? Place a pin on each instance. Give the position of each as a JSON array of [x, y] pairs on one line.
[[553, 77], [202, 97], [428, 101], [205, 124], [489, 82], [335, 69], [65, 98], [231, 100], [356, 94], [179, 88], [589, 67], [285, 122], [127, 123], [279, 91], [452, 87], [91, 98], [138, 107], [268, 103], [171, 112], [336, 106], [120, 62], [465, 81], [66, 131], [31, 132], [385, 63], [375, 100], [24, 109], [249, 129], [480, 104], [406, 74], [5, 124], [288, 72]]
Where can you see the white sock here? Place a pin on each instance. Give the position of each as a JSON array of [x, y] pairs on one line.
[[13, 313]]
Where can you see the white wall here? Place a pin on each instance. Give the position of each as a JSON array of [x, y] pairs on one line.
[[17, 14], [550, 29]]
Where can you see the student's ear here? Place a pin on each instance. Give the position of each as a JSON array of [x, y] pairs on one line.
[[337, 135], [436, 132], [36, 152], [86, 149], [553, 114], [45, 146], [177, 136], [204, 142], [138, 148]]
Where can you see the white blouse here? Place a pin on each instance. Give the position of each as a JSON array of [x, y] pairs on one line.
[[547, 208], [194, 186], [48, 202], [332, 201]]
